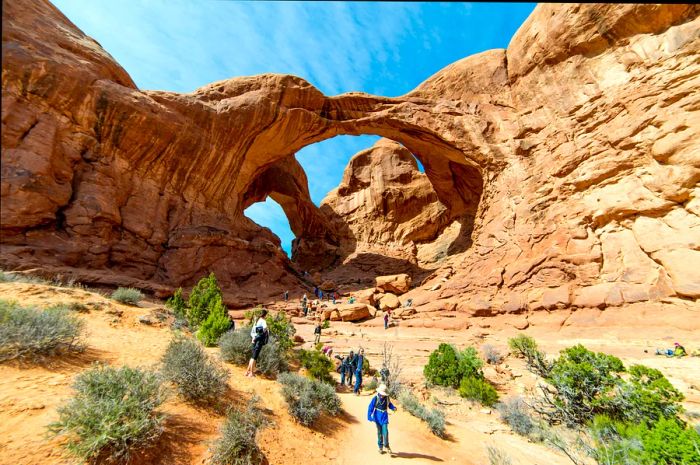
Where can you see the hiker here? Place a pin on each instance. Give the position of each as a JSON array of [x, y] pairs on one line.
[[408, 303], [677, 351], [285, 295], [317, 332], [359, 363], [259, 334], [231, 322], [349, 367], [351, 300], [386, 320], [333, 298], [320, 294], [316, 291], [384, 373], [378, 413], [327, 351]]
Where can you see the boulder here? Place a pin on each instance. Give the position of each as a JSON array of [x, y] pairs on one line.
[[388, 301], [397, 284], [354, 312], [327, 285], [365, 296]]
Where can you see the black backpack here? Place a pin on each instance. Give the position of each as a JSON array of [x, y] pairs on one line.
[[262, 335]]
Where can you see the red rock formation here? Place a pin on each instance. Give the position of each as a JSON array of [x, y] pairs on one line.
[[575, 151]]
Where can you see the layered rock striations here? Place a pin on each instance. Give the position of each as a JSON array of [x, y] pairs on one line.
[[563, 171]]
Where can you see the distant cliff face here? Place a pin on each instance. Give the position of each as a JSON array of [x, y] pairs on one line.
[[561, 171]]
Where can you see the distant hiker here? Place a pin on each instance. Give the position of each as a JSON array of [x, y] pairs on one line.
[[316, 291], [232, 322], [408, 303], [386, 320], [378, 413], [327, 351], [349, 366], [359, 363], [384, 373], [351, 300], [317, 332], [320, 294], [677, 351], [334, 298], [286, 296], [259, 334]]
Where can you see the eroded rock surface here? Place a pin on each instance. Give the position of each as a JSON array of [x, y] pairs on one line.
[[563, 170]]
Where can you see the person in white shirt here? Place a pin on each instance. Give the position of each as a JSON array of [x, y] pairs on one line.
[[259, 335]]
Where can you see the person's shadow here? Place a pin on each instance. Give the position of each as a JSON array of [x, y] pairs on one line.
[[413, 455]]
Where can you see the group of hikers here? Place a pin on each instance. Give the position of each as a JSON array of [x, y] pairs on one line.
[[351, 365]]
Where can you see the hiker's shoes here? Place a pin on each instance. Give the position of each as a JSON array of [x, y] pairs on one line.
[[388, 449], [381, 451]]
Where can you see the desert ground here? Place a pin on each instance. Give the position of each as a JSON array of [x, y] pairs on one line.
[[30, 393]]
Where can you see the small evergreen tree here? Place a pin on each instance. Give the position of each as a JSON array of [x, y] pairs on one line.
[[177, 304], [202, 300], [216, 324]]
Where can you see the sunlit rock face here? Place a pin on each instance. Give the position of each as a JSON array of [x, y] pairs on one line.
[[562, 171]]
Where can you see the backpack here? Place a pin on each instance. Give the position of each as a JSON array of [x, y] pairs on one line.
[[262, 335]]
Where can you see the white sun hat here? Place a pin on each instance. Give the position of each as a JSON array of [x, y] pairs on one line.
[[382, 389]]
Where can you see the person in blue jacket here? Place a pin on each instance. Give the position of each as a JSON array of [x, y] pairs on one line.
[[378, 413], [358, 365]]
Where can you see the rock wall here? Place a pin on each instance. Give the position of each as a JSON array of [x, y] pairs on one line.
[[570, 161]]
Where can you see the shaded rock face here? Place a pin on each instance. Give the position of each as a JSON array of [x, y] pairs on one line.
[[564, 170]]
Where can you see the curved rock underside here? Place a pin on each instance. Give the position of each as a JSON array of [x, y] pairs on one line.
[[562, 171]]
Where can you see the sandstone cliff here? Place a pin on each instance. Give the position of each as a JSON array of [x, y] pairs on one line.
[[570, 161]]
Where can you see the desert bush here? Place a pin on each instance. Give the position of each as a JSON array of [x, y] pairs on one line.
[[393, 364], [326, 324], [479, 390], [196, 377], [237, 444], [215, 325], [492, 355], [434, 418], [526, 347], [497, 456], [236, 346], [26, 332], [372, 385], [307, 398], [273, 358], [112, 413], [446, 366], [202, 299], [7, 277], [127, 295], [318, 365], [670, 443], [646, 397], [514, 411], [177, 304]]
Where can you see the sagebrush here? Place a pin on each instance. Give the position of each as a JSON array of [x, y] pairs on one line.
[[308, 398], [197, 378], [112, 414], [127, 295], [237, 444], [433, 417], [29, 333], [237, 348], [515, 412]]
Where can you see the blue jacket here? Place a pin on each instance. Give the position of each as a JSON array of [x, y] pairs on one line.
[[358, 362], [377, 411]]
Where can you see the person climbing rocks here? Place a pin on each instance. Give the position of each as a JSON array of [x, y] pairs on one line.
[[677, 351], [317, 331], [259, 334], [351, 300], [349, 366], [327, 351], [378, 412], [386, 320], [359, 363]]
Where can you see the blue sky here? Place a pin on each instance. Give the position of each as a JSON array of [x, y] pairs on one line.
[[380, 48]]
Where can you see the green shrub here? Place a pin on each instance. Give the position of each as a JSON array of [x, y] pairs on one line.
[[434, 418], [215, 325], [318, 365], [372, 385], [177, 304], [196, 377], [447, 367], [28, 333], [326, 324], [282, 329], [112, 413], [236, 346], [202, 299], [669, 443], [307, 398], [526, 347], [646, 397], [479, 390], [514, 412], [127, 295], [237, 444]]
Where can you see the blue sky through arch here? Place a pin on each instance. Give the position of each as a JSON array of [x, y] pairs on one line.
[[383, 48]]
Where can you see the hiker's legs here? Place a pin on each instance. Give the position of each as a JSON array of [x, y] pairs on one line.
[[342, 376], [358, 381], [380, 433], [317, 338], [385, 433], [251, 367], [349, 376]]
